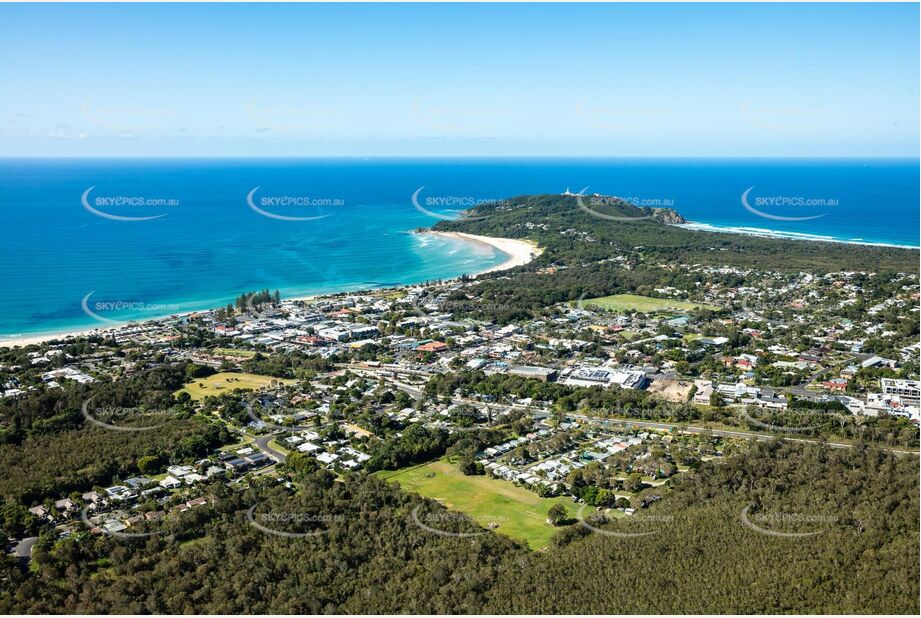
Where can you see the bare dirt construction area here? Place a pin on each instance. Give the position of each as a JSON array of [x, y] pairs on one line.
[[676, 391]]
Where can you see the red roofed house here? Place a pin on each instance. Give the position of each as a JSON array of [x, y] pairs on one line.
[[836, 384], [432, 346]]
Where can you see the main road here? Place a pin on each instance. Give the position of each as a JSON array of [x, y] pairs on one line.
[[726, 433]]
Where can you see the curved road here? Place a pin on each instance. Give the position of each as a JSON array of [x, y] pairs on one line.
[[262, 442]]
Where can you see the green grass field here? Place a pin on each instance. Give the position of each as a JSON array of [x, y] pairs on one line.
[[226, 382], [645, 304], [284, 450], [234, 352], [521, 514], [245, 441]]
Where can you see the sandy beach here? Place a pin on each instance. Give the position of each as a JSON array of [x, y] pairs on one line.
[[519, 252], [767, 233], [25, 340]]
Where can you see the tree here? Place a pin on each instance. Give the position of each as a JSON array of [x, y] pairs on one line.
[[301, 463], [633, 483], [149, 464], [557, 514], [469, 466]]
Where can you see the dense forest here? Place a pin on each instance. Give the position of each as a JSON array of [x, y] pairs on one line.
[[53, 443], [567, 226], [853, 544], [784, 527]]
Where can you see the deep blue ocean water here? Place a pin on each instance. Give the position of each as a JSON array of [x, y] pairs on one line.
[[209, 245]]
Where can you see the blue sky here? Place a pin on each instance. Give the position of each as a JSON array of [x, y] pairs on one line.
[[455, 80]]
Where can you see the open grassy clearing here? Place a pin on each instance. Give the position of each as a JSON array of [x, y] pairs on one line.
[[226, 382], [519, 513], [233, 352], [245, 440], [645, 304], [629, 335], [284, 450]]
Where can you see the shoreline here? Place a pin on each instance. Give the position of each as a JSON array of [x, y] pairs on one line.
[[519, 252], [21, 341], [777, 234]]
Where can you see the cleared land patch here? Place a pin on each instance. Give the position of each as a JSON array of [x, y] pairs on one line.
[[676, 391], [226, 382], [645, 304], [520, 513], [233, 352]]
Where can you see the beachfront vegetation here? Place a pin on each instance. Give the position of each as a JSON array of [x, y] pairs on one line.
[[578, 247]]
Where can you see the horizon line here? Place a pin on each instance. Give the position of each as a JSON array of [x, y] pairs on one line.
[[458, 156]]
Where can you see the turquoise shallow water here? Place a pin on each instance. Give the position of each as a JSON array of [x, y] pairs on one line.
[[347, 226]]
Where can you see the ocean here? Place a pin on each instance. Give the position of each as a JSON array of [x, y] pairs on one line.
[[86, 243]]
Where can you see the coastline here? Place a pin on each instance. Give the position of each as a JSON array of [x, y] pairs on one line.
[[776, 234], [21, 341], [519, 252]]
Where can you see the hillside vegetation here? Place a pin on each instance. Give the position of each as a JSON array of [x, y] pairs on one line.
[[855, 512], [580, 251]]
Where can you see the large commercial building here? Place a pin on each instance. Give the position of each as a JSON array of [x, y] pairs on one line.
[[908, 390], [544, 374]]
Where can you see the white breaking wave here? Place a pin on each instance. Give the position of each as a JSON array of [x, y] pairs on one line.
[[766, 233]]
